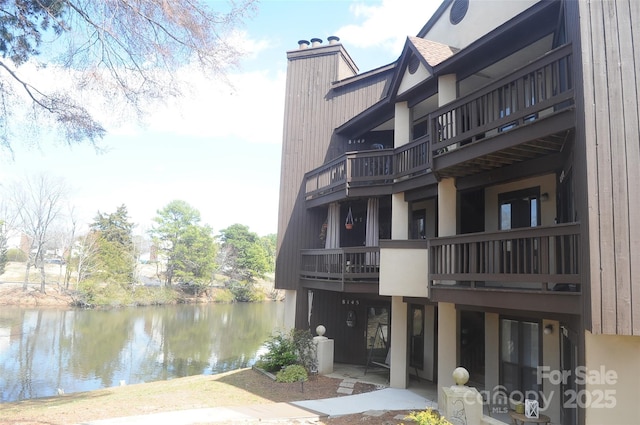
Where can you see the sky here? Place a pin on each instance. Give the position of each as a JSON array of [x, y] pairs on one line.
[[218, 148]]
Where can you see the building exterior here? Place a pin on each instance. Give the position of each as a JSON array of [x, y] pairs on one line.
[[475, 203]]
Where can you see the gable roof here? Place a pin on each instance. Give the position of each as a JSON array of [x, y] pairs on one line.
[[428, 53]]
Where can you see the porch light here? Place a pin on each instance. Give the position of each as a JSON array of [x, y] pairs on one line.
[[548, 330]]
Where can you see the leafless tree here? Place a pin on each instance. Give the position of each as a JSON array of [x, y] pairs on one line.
[[38, 201], [85, 250], [127, 52]]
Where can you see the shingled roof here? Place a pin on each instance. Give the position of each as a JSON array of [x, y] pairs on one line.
[[431, 51]]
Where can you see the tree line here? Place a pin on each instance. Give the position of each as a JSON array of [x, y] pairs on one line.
[[186, 252]]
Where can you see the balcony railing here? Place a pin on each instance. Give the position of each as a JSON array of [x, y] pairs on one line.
[[412, 159], [530, 93], [357, 264], [542, 89], [353, 169], [538, 258]]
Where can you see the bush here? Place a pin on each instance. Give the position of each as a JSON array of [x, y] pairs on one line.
[[305, 348], [292, 373], [222, 296], [15, 254], [428, 417], [244, 291], [281, 352]]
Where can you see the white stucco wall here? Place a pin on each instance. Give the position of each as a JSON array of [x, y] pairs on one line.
[[613, 380], [410, 80], [404, 271], [482, 17]]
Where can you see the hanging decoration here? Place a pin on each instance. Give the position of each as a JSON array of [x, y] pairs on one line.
[[348, 224]]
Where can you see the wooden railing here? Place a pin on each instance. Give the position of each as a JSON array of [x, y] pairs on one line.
[[538, 258], [363, 168], [330, 177], [341, 264], [412, 159], [540, 88]]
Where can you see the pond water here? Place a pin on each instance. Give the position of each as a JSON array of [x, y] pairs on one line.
[[43, 350]]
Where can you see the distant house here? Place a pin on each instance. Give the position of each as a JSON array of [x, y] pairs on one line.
[[475, 203]]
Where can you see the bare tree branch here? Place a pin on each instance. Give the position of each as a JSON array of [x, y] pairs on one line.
[[125, 51]]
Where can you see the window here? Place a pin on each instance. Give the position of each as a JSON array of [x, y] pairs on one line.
[[418, 224], [519, 355], [520, 208], [458, 11], [416, 349]]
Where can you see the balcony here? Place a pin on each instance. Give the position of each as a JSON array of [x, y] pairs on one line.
[[369, 173], [525, 115], [354, 269], [361, 173], [537, 267]]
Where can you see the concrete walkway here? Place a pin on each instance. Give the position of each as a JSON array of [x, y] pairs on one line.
[[303, 412]]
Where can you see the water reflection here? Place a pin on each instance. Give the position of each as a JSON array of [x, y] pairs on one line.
[[42, 350]]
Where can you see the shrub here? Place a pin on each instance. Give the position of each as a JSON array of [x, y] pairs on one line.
[[292, 373], [244, 291], [15, 254], [428, 417], [281, 352], [305, 348], [223, 296]]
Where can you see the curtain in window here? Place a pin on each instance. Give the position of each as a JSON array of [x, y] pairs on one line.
[[333, 227], [372, 235]]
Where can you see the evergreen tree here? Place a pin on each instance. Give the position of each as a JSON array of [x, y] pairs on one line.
[[115, 259], [244, 255], [188, 247]]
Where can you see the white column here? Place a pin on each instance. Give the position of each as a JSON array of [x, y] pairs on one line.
[[447, 315], [398, 372], [399, 217], [447, 89], [447, 200], [551, 357], [289, 309], [402, 124], [447, 346]]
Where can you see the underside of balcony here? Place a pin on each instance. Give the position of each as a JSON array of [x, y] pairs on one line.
[[543, 138]]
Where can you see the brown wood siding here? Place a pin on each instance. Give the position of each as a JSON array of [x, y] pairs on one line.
[[312, 111], [610, 85]]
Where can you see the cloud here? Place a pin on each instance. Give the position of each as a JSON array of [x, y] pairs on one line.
[[246, 108], [386, 24]]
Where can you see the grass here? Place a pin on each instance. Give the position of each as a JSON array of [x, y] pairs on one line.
[[237, 388]]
